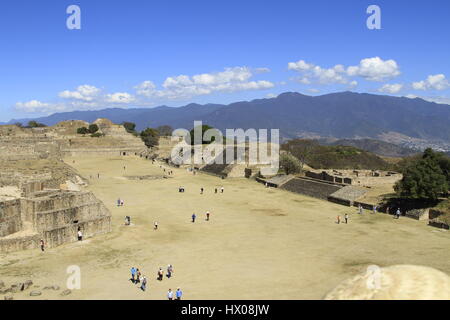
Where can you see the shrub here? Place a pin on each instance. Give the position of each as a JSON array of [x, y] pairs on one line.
[[97, 135], [82, 130], [93, 128]]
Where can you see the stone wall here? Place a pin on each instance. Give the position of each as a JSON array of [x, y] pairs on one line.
[[55, 217], [311, 188], [10, 217]]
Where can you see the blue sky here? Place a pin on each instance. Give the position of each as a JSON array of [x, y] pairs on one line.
[[139, 53]]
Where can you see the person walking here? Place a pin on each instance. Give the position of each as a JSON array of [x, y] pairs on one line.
[[215, 190], [207, 215], [42, 244], [169, 271], [133, 274], [80, 235], [138, 276], [193, 217], [338, 220], [201, 190], [346, 218], [221, 190], [170, 294], [398, 213], [155, 225], [360, 208], [144, 283], [179, 294], [160, 274]]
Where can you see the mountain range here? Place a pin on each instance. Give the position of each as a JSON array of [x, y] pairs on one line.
[[343, 115]]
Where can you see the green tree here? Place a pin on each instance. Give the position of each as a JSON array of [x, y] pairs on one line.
[[423, 178], [205, 128], [93, 128], [165, 130], [35, 124], [82, 130], [129, 126], [290, 164], [150, 137]]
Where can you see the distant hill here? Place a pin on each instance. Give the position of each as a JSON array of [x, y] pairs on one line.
[[377, 147], [334, 157], [344, 115]]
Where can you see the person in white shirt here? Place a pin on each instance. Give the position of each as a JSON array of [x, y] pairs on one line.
[[80, 235], [170, 294]]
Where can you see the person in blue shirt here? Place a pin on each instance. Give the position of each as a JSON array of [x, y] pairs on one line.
[[178, 294], [133, 274], [193, 217]]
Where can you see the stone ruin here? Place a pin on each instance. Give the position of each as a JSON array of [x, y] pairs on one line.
[[355, 177], [53, 215], [40, 196]]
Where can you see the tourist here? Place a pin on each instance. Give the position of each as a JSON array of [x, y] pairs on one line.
[[193, 217], [207, 215], [42, 245], [201, 190], [133, 274], [118, 202], [221, 190], [98, 175], [346, 218], [155, 225], [360, 208], [398, 213], [374, 209], [144, 283], [338, 220], [178, 294], [160, 274], [121, 203], [80, 235], [170, 294], [169, 271], [138, 276], [215, 190]]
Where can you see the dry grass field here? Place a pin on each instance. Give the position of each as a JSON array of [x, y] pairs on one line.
[[259, 244]]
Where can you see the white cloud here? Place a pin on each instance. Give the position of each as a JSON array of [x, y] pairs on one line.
[[375, 69], [371, 69], [314, 73], [353, 84], [183, 86], [120, 97], [433, 82], [32, 106], [313, 90], [391, 88], [438, 99], [84, 92], [88, 97]]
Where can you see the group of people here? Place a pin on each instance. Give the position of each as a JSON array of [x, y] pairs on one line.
[[138, 278], [194, 216], [216, 190], [346, 218]]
